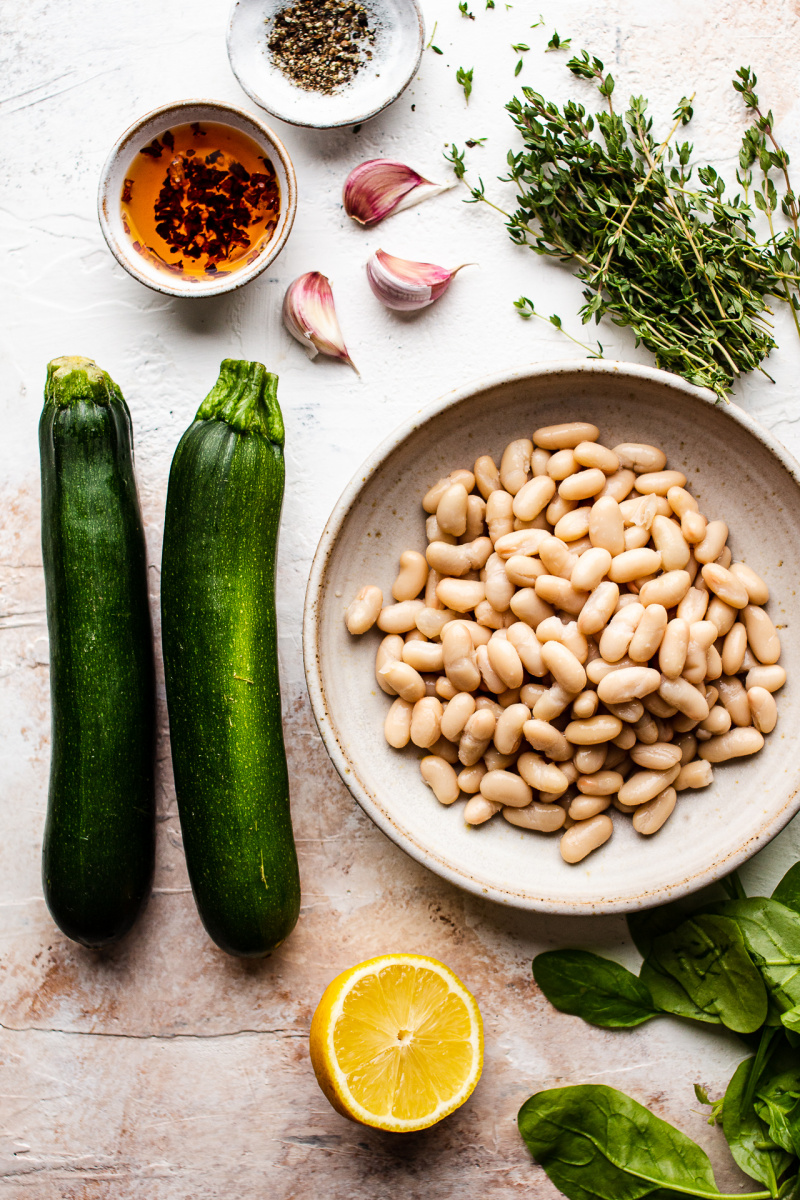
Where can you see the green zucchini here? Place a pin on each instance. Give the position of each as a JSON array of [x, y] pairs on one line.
[[221, 663], [97, 858]]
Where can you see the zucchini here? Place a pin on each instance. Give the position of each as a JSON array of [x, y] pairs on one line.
[[221, 663], [97, 858]]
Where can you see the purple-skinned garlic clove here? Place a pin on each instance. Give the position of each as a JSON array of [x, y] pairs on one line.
[[406, 286], [381, 186], [310, 316]]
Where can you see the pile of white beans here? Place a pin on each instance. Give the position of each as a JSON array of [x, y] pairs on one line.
[[575, 636]]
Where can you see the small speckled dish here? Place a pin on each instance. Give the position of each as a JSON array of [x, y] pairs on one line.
[[737, 470], [117, 166], [396, 54]]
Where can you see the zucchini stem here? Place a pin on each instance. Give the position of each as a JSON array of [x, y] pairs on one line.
[[245, 396]]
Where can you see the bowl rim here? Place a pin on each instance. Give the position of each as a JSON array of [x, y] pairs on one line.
[[343, 763], [270, 251], [258, 99]]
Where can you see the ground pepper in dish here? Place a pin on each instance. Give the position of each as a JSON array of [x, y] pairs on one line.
[[321, 44], [200, 200]]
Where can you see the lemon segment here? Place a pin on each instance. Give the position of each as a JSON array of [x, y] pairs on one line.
[[397, 1042]]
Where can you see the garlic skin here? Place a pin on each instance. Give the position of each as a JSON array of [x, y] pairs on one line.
[[310, 316], [406, 286], [381, 186]]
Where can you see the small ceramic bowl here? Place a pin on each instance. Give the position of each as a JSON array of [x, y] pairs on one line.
[[117, 167], [396, 54], [738, 471]]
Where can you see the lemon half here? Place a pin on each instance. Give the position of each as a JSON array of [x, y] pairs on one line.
[[397, 1042]]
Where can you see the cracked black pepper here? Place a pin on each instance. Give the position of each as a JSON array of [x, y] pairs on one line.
[[321, 44]]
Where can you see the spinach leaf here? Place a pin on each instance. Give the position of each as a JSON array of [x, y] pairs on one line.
[[788, 890], [771, 933], [707, 956], [778, 1105], [597, 989], [669, 996], [746, 1133], [596, 1143]]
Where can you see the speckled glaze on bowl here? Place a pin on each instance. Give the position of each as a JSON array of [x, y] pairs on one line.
[[396, 54], [117, 165], [738, 472]]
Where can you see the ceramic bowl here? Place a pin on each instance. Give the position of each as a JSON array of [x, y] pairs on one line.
[[396, 55], [117, 166], [738, 471]]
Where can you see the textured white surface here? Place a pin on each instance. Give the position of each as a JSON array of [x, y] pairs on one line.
[[162, 1069]]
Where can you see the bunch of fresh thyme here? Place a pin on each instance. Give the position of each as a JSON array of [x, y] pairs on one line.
[[676, 260]]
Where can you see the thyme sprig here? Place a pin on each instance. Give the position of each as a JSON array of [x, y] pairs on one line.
[[659, 244]]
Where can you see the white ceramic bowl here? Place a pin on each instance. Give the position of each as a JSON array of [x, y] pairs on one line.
[[396, 55], [738, 472], [117, 166]]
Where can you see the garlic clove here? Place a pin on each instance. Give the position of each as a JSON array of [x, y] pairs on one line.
[[381, 186], [310, 316], [406, 286]]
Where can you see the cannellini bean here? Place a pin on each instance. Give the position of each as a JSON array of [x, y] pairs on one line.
[[430, 598], [435, 534], [499, 514], [565, 436], [456, 714], [469, 778], [672, 655], [646, 785], [736, 743], [407, 683], [440, 778], [757, 590], [658, 707], [693, 605], [725, 585], [585, 705], [667, 589], [533, 497], [461, 595], [397, 726], [629, 711], [598, 668], [540, 460], [400, 618], [495, 761], [508, 731], [545, 737], [649, 817], [717, 721], [506, 788], [659, 482], [693, 527], [625, 739], [424, 656], [522, 571], [558, 592], [499, 588], [636, 538], [478, 732], [457, 560], [491, 680], [764, 709], [733, 649], [412, 576], [734, 698], [687, 744], [694, 774], [390, 650], [619, 485], [542, 775], [657, 756], [606, 526], [478, 810], [544, 818], [762, 636], [564, 666], [552, 703], [505, 662], [632, 564], [556, 557], [487, 476], [364, 609], [646, 729], [617, 636], [444, 688], [479, 634], [681, 501], [671, 544], [685, 697], [557, 508], [451, 511], [590, 569], [723, 615], [585, 836], [591, 454], [458, 652], [640, 457], [710, 548], [515, 464], [590, 759], [528, 647], [573, 525], [630, 683], [601, 783], [582, 484], [598, 609], [446, 750], [431, 621], [648, 634], [771, 678], [530, 607], [593, 730], [562, 464], [522, 541], [476, 517], [432, 497], [581, 808]]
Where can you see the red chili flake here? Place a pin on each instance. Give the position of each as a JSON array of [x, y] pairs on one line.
[[127, 191], [213, 156], [197, 130], [168, 139], [154, 150]]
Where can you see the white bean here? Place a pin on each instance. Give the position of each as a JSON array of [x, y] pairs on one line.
[[504, 787], [397, 726], [523, 571], [407, 683], [505, 662], [440, 778], [619, 485], [565, 436], [562, 464], [540, 460], [632, 564], [606, 526], [564, 666], [648, 634], [582, 484], [533, 497], [432, 497], [545, 737], [646, 785], [530, 607], [469, 778], [558, 592], [764, 709], [591, 454], [508, 731], [364, 609], [499, 514], [390, 650], [573, 525], [515, 465], [694, 774], [657, 756], [585, 836], [593, 730], [640, 457], [725, 585], [667, 589], [600, 783], [478, 732], [733, 649], [542, 775], [659, 482], [762, 635], [772, 678], [617, 636], [757, 590], [412, 576], [671, 544], [478, 810], [685, 697], [400, 618], [544, 818], [487, 476], [461, 595], [459, 659], [716, 535], [631, 683], [423, 656], [590, 569], [693, 605], [598, 609], [737, 743], [649, 817], [674, 647]]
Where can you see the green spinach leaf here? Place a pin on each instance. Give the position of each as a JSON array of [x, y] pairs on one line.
[[597, 989], [746, 1133], [707, 956], [596, 1143], [771, 933], [788, 890], [670, 997], [778, 1105]]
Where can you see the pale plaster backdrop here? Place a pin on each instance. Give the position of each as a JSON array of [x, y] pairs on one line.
[[163, 1069]]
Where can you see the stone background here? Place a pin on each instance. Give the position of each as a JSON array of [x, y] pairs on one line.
[[162, 1069]]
